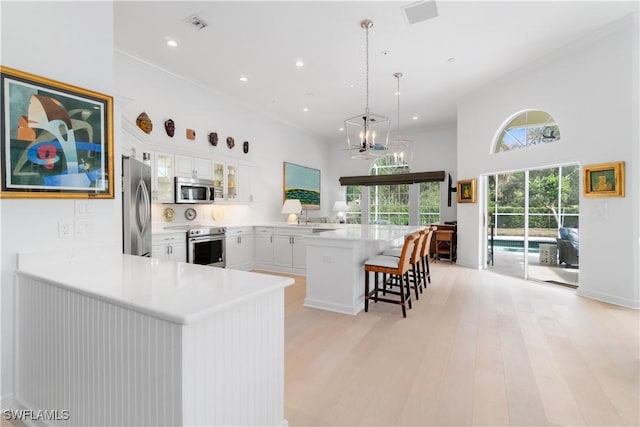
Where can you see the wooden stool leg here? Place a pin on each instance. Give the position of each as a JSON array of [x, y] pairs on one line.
[[402, 297], [377, 289], [366, 291], [408, 297], [415, 282]]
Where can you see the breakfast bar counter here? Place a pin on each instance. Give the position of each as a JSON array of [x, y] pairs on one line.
[[335, 260], [127, 340]]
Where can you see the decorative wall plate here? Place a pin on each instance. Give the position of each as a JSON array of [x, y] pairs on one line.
[[169, 214], [191, 134], [245, 147], [218, 213], [190, 214], [230, 142]]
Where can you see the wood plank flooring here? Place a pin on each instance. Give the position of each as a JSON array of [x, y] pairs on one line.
[[478, 348]]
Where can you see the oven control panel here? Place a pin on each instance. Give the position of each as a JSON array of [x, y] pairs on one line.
[[206, 231]]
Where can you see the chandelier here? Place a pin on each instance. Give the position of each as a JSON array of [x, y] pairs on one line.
[[367, 133], [399, 150]]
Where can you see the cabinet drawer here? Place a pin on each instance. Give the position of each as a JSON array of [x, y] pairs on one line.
[[293, 231], [239, 231], [168, 238], [264, 231]]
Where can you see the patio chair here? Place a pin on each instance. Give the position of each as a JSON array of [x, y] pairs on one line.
[[568, 247]]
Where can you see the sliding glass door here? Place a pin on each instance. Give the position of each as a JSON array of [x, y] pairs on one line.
[[528, 213], [506, 230]]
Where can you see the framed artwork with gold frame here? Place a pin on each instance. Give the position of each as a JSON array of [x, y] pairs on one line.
[[57, 139], [466, 191], [603, 180]]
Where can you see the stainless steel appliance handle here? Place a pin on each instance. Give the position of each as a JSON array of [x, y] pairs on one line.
[[209, 238], [143, 206]]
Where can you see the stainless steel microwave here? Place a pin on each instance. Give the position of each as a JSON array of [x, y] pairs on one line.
[[190, 190]]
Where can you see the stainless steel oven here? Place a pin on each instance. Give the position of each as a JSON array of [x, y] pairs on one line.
[[206, 246]]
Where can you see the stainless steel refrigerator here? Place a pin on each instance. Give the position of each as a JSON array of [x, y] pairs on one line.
[[136, 207]]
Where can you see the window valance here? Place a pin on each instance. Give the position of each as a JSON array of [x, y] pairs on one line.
[[391, 179]]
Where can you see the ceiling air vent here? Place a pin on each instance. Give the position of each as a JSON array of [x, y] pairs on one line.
[[196, 21], [420, 11]]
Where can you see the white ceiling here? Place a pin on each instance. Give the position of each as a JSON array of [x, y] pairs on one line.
[[262, 40]]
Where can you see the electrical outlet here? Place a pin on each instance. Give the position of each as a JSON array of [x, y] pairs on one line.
[[64, 229], [82, 228]]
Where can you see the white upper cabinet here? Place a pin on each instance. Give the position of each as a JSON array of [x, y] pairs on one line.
[[193, 167]]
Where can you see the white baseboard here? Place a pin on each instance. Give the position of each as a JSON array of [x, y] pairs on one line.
[[608, 298], [338, 308]]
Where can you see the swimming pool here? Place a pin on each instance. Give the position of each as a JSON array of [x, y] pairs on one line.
[[517, 245]]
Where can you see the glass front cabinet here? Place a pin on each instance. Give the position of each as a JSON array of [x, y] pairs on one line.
[[163, 173]]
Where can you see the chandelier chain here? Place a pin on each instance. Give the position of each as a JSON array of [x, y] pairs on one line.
[[367, 71], [398, 75]]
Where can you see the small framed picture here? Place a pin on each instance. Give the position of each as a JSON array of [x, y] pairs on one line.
[[603, 180], [466, 191]]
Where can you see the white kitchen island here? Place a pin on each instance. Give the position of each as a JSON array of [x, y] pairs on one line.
[[335, 263], [125, 340]]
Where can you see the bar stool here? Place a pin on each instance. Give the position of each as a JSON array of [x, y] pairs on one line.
[[397, 268], [416, 277], [426, 254]]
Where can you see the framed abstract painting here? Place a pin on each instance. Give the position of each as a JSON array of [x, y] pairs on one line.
[[302, 183], [57, 139]]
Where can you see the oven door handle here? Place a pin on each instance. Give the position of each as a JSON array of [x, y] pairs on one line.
[[209, 238]]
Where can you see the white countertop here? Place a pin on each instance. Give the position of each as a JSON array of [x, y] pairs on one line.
[[364, 232], [178, 292]]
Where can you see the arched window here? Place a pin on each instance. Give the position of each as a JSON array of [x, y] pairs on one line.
[[526, 128]]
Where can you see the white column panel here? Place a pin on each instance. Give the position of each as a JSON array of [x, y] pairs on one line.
[[105, 364]]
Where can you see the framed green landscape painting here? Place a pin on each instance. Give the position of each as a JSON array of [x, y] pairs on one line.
[[302, 183]]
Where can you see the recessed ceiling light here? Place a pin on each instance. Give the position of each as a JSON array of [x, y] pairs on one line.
[[341, 129], [274, 102], [396, 93], [171, 43], [415, 117], [352, 85], [299, 63], [305, 109], [243, 79]]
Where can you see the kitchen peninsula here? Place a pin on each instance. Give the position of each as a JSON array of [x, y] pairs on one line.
[[335, 260], [127, 340]]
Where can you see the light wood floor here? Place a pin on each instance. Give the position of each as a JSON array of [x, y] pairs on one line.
[[477, 349]]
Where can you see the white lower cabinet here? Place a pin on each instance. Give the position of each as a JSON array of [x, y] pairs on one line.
[[281, 249], [169, 247], [264, 247], [239, 249]]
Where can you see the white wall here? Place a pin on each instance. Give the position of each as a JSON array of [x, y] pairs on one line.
[[164, 95], [72, 43], [587, 88], [434, 150]]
